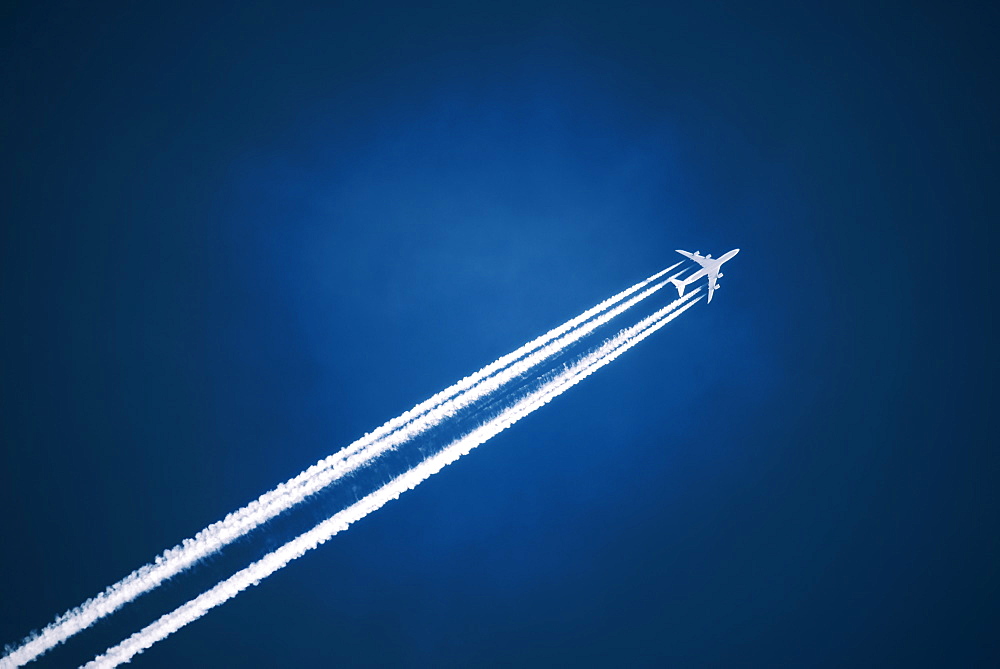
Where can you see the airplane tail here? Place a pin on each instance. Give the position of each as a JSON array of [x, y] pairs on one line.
[[679, 285]]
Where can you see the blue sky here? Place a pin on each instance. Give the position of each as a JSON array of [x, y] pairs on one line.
[[236, 239]]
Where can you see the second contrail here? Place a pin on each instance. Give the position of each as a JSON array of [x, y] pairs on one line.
[[272, 562]]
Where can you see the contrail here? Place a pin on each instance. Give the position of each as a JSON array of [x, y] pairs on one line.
[[270, 563], [420, 418]]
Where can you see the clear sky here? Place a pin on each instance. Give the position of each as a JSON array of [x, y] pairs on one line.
[[234, 239]]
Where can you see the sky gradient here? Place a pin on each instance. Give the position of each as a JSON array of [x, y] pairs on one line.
[[234, 240]]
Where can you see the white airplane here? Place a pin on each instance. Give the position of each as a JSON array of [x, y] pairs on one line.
[[709, 267]]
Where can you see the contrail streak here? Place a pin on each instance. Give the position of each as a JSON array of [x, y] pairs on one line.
[[270, 563], [420, 418]]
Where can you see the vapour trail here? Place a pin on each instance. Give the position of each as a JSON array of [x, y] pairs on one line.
[[420, 418], [272, 562]]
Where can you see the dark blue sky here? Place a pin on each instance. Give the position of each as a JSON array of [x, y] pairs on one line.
[[235, 239]]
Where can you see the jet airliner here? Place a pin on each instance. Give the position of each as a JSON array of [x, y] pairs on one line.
[[709, 267]]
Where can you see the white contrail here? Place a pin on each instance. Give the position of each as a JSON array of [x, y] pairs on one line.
[[270, 563], [420, 418]]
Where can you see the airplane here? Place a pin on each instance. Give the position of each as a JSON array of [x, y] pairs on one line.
[[709, 267]]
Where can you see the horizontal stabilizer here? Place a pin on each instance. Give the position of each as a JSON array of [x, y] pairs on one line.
[[679, 285]]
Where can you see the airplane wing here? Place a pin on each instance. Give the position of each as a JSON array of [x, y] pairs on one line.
[[713, 280], [693, 256]]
